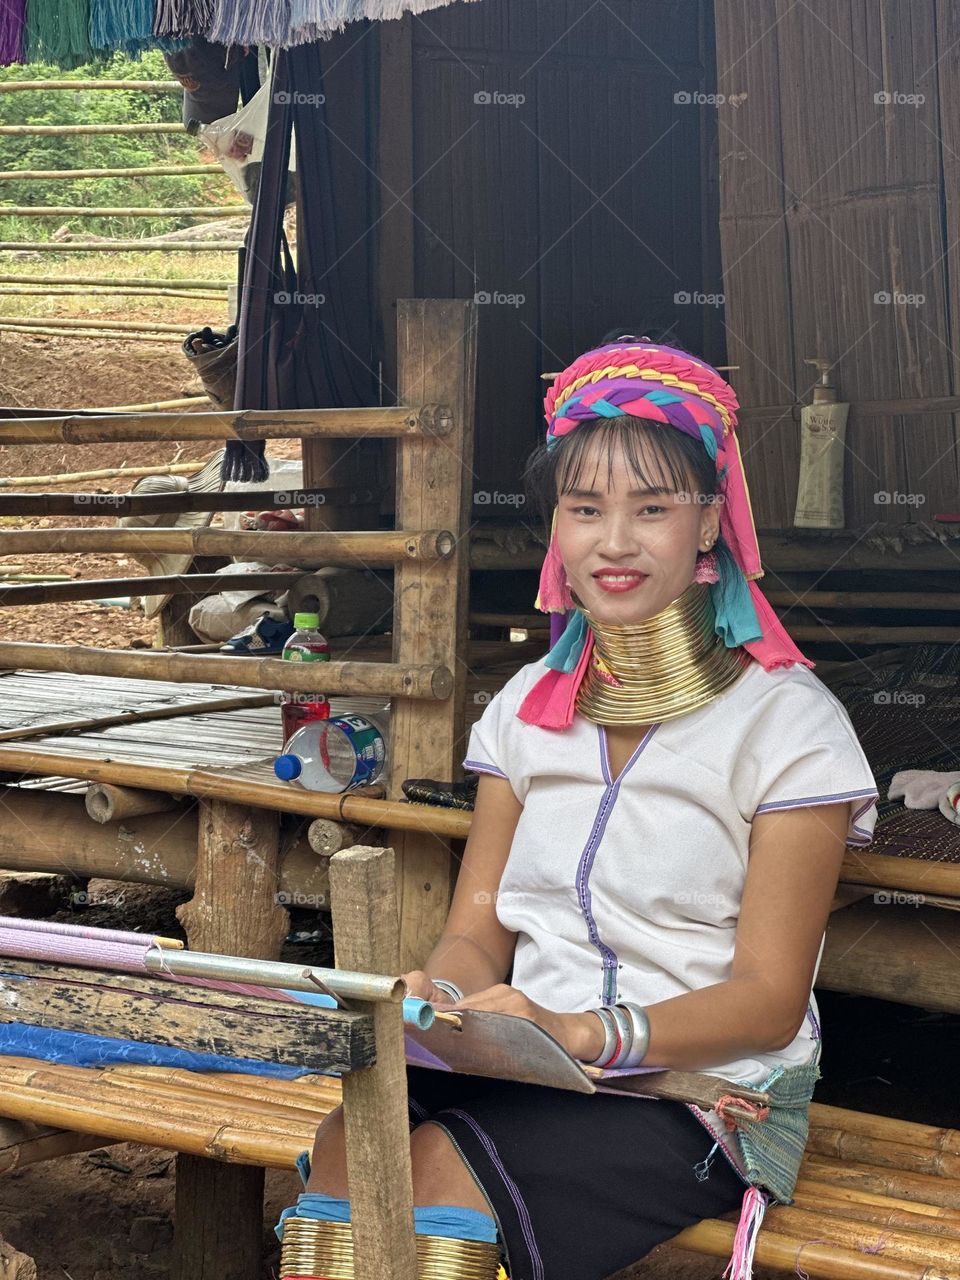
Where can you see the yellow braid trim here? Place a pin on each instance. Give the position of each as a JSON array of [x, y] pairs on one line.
[[648, 375]]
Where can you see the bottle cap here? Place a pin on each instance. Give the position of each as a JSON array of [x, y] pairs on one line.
[[288, 767], [306, 621]]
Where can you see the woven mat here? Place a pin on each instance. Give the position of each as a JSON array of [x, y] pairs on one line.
[[905, 707]]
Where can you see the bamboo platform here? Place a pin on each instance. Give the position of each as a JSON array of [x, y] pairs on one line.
[[877, 1198]]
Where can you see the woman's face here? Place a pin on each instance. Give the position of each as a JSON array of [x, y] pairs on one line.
[[629, 551]]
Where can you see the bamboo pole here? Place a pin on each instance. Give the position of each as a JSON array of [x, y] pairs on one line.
[[240, 788], [195, 707], [107, 473], [49, 332], [76, 130], [901, 1243], [856, 1211], [243, 424], [133, 86], [821, 1192], [126, 281], [53, 291], [932, 600], [70, 322], [787, 1252], [157, 406], [145, 171], [884, 1129], [264, 673], [367, 549], [927, 1187], [106, 803], [119, 246], [139, 504], [828, 634], [197, 584], [114, 211]]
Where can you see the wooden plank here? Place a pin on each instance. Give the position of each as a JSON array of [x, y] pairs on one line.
[[182, 1016], [437, 355], [366, 938], [894, 949], [234, 911]]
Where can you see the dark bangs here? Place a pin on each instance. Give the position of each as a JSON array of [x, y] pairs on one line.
[[679, 463]]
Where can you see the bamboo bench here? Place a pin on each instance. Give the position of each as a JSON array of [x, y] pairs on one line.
[[876, 1197]]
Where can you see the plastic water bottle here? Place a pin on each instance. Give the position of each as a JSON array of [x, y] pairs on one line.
[[337, 754], [305, 645]]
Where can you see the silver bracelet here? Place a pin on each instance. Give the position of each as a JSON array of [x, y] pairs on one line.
[[609, 1038], [625, 1028], [451, 988], [640, 1029]]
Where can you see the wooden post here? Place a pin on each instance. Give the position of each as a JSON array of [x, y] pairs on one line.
[[437, 365], [379, 1173], [234, 910]]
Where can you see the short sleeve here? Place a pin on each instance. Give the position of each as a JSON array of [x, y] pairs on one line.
[[803, 751], [498, 740]]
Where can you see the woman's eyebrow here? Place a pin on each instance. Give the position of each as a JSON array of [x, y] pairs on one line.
[[633, 493]]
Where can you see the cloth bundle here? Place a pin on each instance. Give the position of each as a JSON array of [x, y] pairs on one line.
[[928, 789]]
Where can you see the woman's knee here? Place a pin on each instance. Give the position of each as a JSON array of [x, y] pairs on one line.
[[328, 1165], [440, 1175]]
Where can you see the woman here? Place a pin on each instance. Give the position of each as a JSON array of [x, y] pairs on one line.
[[660, 821]]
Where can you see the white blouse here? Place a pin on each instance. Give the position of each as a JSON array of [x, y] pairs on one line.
[[629, 888]]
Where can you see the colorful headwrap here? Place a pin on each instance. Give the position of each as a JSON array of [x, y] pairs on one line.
[[664, 385]]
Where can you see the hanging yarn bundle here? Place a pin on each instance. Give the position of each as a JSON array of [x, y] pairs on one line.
[[182, 17], [57, 31], [12, 23], [122, 24]]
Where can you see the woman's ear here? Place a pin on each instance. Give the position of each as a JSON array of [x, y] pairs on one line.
[[709, 526]]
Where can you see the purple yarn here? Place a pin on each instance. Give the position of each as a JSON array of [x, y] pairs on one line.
[[12, 23], [558, 625]]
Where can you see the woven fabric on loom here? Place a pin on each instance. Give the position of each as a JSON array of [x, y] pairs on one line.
[[907, 716]]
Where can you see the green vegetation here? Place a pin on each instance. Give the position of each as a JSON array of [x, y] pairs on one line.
[[96, 151]]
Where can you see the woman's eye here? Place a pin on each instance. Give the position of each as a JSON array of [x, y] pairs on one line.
[[578, 511], [652, 509]]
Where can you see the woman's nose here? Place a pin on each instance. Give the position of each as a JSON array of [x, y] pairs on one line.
[[618, 537]]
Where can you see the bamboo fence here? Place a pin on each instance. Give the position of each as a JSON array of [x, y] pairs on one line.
[[76, 130], [113, 211], [119, 246], [145, 171], [133, 86], [126, 282]]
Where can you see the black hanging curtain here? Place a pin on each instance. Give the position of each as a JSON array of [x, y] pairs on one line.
[[310, 335]]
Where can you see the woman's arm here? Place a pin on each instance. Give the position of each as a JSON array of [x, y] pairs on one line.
[[475, 951], [795, 858]]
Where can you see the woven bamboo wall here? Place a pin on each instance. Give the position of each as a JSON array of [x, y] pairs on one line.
[[831, 196]]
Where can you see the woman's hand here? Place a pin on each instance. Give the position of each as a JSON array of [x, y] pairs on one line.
[[420, 986], [581, 1034]]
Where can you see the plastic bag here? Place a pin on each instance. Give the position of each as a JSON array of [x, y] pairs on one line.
[[238, 141]]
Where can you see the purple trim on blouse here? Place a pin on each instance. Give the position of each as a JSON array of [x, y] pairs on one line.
[[523, 1212], [860, 836], [478, 766], [611, 791], [813, 1022]]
